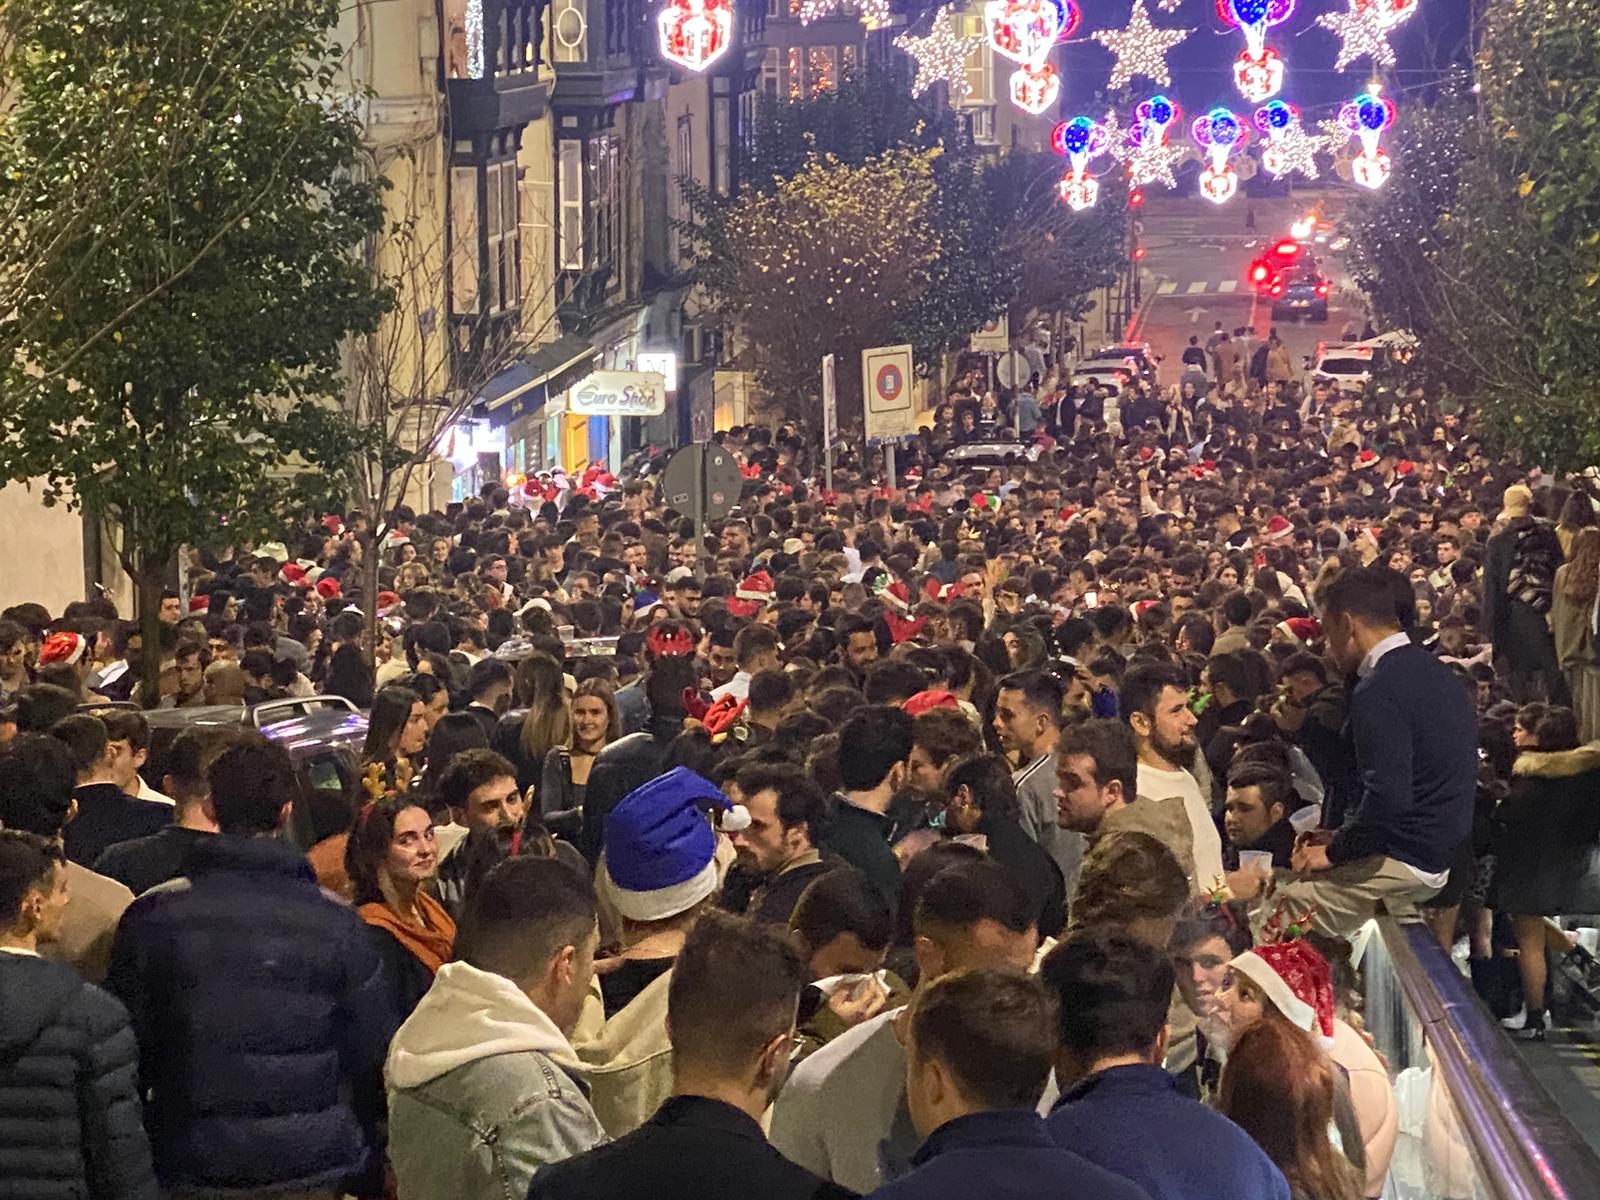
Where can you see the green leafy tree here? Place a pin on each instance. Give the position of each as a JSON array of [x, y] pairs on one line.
[[209, 411]]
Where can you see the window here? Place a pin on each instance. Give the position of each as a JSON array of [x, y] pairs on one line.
[[569, 184], [721, 133], [980, 64], [822, 69], [504, 236], [464, 275], [771, 72], [678, 208], [747, 124], [797, 73], [604, 203]]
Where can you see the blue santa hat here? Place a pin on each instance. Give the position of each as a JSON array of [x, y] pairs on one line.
[[660, 849]]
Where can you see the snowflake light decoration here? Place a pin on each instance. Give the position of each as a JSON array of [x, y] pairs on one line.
[[1119, 141], [1141, 49], [941, 57], [1364, 30]]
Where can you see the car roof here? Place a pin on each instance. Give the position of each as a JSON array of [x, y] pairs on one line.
[[335, 724]]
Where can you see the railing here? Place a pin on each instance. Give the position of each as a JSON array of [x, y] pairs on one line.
[[1474, 1121]]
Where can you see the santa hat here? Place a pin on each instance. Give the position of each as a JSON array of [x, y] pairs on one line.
[[294, 575], [387, 601], [1405, 466], [1140, 607], [986, 501], [1365, 460], [752, 594], [333, 524], [199, 604], [66, 648], [328, 588], [660, 850], [1301, 630], [1297, 981], [1278, 529], [901, 628], [896, 595], [928, 700]]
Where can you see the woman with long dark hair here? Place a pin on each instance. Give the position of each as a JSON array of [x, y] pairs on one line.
[[527, 736], [348, 675], [981, 801], [390, 857], [1278, 1087], [397, 731]]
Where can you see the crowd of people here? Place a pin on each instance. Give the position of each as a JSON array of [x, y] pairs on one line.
[[1003, 831]]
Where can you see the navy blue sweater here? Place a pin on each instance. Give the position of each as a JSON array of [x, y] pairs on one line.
[[1416, 738], [1182, 1150], [1004, 1155]]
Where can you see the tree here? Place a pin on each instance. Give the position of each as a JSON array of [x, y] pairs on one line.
[[1490, 249], [210, 412], [827, 262]]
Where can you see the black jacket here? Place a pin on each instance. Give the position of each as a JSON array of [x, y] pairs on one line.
[[70, 1122], [629, 762], [861, 838], [692, 1149], [144, 862], [108, 815], [257, 1000], [1032, 866]]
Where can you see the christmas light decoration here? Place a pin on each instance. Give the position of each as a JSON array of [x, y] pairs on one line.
[[1289, 148], [874, 14], [1025, 31], [1365, 118], [1169, 6], [1080, 140], [1035, 88], [1364, 30], [1258, 71], [1141, 49], [1119, 141], [1152, 157], [941, 57], [695, 33], [1258, 77], [1219, 134], [474, 32]]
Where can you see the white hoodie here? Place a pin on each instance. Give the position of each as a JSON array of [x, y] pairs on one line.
[[469, 1015]]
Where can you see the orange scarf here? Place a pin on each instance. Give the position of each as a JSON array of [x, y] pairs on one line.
[[432, 942]]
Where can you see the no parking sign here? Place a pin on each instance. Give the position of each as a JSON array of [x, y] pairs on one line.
[[886, 383]]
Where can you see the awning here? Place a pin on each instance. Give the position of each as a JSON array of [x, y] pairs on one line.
[[534, 368]]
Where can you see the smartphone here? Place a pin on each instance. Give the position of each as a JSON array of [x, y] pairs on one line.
[[1091, 599]]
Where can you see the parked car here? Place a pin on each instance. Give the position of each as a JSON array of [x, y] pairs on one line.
[[990, 454], [1113, 373], [1302, 294], [323, 735], [1347, 366]]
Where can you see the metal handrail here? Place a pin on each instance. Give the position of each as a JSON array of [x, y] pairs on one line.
[[1525, 1148]]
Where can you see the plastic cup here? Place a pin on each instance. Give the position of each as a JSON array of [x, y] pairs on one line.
[[1261, 859]]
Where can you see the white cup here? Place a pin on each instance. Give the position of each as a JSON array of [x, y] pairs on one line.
[[1256, 858]]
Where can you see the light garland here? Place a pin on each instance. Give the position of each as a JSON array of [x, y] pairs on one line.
[[1365, 118], [1219, 134], [1025, 31], [1141, 49], [1152, 158], [1119, 141], [1258, 71], [1364, 29], [1035, 88], [941, 57], [1169, 6], [695, 33], [473, 20], [1080, 140], [1289, 148], [874, 14]]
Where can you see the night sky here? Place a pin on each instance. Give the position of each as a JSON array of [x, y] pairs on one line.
[[1425, 46]]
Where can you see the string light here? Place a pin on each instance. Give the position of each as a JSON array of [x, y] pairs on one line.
[[1169, 6], [1364, 29], [1366, 117], [1289, 148], [1152, 158], [1141, 49], [1258, 77], [874, 14], [1035, 88], [1219, 134], [1119, 141], [1258, 71], [474, 31], [695, 33], [941, 57]]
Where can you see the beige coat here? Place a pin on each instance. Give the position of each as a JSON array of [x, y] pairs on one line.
[[628, 1060], [94, 906]]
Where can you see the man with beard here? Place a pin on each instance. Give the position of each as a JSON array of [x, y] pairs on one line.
[[778, 847], [480, 787], [1155, 703]]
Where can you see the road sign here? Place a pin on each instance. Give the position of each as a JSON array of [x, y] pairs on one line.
[[721, 478], [886, 382], [830, 418], [994, 334]]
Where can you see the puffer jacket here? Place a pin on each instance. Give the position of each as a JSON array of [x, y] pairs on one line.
[[258, 1003], [70, 1122], [483, 1091], [628, 1060]]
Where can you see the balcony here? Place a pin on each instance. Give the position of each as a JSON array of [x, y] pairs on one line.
[[492, 64], [602, 49]]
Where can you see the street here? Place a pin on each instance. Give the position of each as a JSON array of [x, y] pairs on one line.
[[1195, 274]]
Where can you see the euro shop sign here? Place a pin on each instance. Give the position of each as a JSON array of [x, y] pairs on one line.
[[619, 394]]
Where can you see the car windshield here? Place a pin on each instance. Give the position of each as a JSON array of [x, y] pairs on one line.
[[1344, 366]]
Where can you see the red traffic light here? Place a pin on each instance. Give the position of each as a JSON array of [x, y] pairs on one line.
[[1135, 198], [1138, 252]]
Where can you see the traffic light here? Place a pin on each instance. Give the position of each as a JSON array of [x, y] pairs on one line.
[[1138, 252], [1136, 198]]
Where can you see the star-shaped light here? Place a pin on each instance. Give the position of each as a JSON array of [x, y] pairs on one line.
[[1117, 144], [1141, 48], [1169, 6], [1364, 31], [1292, 150], [875, 13], [1153, 162], [941, 57]]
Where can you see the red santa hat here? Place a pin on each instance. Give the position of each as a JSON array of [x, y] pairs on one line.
[[63, 648], [928, 700], [199, 604], [1279, 529], [897, 595], [294, 575], [333, 523], [1365, 460], [328, 588], [1297, 981], [752, 594], [1140, 607], [387, 601], [1302, 631], [901, 628], [1405, 467]]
